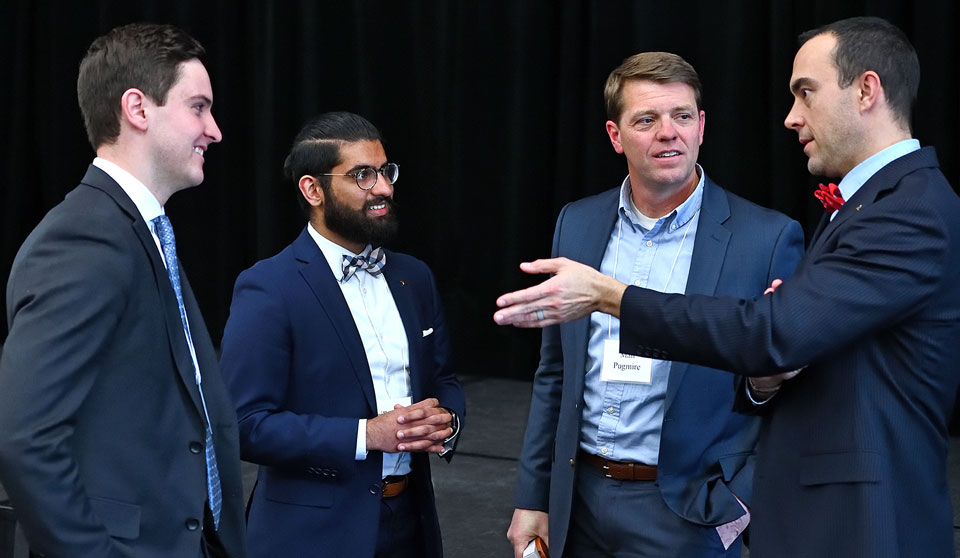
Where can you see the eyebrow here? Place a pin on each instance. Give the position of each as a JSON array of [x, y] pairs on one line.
[[678, 108], [801, 83], [203, 98]]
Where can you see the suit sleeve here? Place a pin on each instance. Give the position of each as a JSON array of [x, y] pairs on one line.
[[888, 261], [787, 253], [536, 459], [65, 296], [446, 386], [256, 362]]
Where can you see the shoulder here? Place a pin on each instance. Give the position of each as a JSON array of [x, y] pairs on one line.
[[591, 205], [743, 210]]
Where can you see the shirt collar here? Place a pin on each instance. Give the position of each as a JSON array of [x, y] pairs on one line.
[[869, 166], [684, 212], [146, 203], [333, 252]]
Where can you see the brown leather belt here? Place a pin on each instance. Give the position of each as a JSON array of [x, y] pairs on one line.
[[619, 470], [395, 485]]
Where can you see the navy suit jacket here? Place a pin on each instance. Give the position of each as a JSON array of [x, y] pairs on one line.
[[101, 425], [294, 362], [852, 456], [706, 450]]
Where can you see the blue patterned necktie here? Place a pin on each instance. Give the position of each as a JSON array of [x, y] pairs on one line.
[[373, 264], [169, 245]]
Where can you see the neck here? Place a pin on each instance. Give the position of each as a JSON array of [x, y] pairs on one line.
[[655, 202], [138, 166]]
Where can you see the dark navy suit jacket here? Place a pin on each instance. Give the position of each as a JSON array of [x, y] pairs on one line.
[[852, 456], [706, 450], [294, 362], [101, 425]]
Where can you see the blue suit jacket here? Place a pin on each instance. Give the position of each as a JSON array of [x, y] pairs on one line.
[[706, 451], [852, 456], [295, 365]]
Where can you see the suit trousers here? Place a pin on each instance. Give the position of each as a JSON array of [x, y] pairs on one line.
[[400, 534], [628, 519]]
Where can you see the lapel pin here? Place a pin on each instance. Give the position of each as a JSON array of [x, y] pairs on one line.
[[403, 283], [859, 206]]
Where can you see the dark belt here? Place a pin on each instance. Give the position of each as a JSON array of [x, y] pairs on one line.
[[394, 485], [619, 470]]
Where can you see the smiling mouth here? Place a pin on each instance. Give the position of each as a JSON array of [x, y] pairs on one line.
[[198, 150], [667, 155]]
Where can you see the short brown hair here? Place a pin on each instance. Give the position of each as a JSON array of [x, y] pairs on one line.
[[142, 55], [661, 67]]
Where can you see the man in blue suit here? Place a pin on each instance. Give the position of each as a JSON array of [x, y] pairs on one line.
[[640, 457], [336, 354], [852, 456]]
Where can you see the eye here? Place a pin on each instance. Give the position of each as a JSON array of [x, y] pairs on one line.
[[684, 116], [364, 174]]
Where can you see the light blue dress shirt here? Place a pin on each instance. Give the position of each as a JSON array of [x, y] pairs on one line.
[[622, 420]]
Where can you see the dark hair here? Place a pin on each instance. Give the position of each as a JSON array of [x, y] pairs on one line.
[[141, 55], [872, 43], [661, 67], [316, 149]]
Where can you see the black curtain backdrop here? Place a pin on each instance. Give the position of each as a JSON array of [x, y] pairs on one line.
[[492, 108]]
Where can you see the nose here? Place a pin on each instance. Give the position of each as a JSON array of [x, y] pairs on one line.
[[794, 119], [211, 130], [666, 131], [382, 187]]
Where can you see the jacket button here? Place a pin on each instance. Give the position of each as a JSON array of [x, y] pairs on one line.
[[571, 462], [192, 524], [196, 447], [375, 489]]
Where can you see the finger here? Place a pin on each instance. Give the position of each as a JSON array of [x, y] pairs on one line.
[[424, 433], [550, 265], [421, 445], [523, 296]]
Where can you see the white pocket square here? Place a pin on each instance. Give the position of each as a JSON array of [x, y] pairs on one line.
[[427, 332]]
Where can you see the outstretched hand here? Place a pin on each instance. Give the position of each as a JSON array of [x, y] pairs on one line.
[[574, 291]]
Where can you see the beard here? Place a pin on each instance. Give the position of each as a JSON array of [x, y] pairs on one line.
[[356, 226]]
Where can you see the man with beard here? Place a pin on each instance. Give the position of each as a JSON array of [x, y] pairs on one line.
[[336, 354]]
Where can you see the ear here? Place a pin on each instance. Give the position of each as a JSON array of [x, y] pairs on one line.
[[311, 190], [133, 108], [870, 90], [613, 131], [703, 123]]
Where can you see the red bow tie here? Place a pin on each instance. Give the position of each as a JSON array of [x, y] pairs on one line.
[[830, 197]]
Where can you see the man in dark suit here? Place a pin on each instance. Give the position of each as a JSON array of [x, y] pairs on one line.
[[336, 353], [852, 456], [651, 463], [116, 432]]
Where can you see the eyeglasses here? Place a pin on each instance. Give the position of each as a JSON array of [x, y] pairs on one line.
[[366, 177]]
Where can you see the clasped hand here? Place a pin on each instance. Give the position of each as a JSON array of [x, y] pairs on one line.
[[421, 427]]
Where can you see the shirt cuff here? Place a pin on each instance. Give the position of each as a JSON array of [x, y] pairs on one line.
[[761, 398], [361, 440], [451, 440]]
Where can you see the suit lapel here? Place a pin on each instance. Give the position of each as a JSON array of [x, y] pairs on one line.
[[709, 250], [316, 272], [884, 179], [96, 178], [594, 233], [403, 296]]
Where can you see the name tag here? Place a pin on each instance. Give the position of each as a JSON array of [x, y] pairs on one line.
[[618, 367], [387, 406]]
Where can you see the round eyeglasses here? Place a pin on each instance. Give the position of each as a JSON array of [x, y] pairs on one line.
[[366, 177]]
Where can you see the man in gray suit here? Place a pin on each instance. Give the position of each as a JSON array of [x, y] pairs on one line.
[[117, 437]]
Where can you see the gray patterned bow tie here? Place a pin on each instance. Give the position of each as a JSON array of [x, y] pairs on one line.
[[373, 264]]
